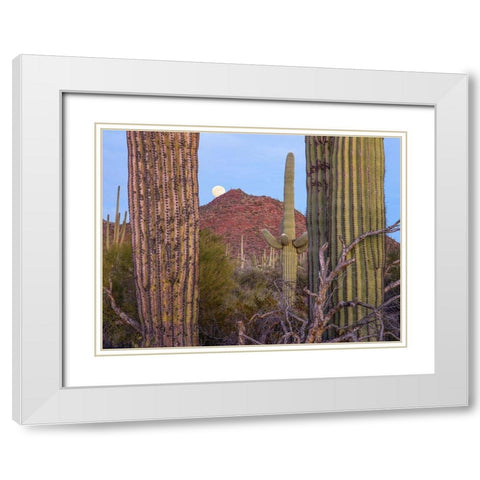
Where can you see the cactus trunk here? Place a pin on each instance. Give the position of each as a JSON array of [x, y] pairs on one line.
[[345, 198], [318, 155], [289, 272], [289, 252], [163, 208]]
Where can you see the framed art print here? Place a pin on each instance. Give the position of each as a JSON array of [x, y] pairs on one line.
[[199, 240]]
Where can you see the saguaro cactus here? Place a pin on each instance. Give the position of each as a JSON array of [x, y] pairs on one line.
[[288, 245], [345, 198], [163, 207]]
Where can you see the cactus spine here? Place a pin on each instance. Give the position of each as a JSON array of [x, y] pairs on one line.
[[163, 207], [345, 198], [287, 244]]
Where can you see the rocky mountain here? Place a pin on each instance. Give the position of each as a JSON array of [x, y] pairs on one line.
[[235, 213]]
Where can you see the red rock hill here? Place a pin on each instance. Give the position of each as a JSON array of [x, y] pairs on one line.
[[235, 213]]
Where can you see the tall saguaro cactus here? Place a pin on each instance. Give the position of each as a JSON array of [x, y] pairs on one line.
[[289, 246], [345, 199], [163, 208]]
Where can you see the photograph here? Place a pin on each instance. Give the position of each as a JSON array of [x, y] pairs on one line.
[[238, 239]]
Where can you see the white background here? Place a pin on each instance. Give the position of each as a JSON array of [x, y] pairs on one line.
[[407, 35]]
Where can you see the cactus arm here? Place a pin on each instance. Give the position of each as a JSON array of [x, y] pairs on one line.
[[301, 241], [284, 240], [302, 249], [271, 240]]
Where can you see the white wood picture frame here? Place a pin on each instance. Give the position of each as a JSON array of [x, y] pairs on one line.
[[39, 395]]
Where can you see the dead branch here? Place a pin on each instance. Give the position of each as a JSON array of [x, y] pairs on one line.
[[367, 319], [263, 315], [241, 332], [322, 315], [120, 313], [245, 336], [390, 229], [289, 335], [391, 265], [392, 285]]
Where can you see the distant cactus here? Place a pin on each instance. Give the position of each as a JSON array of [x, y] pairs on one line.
[[288, 245], [345, 199], [163, 207], [273, 258], [242, 255], [118, 230]]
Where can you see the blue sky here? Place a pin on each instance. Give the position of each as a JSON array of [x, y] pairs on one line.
[[253, 162]]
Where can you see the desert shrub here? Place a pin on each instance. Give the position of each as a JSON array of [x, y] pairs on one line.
[[229, 294], [257, 291], [118, 277], [259, 304], [216, 286]]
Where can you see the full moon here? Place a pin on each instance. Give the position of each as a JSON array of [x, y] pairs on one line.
[[218, 190]]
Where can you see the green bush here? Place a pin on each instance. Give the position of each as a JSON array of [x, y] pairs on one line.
[[216, 285], [229, 294], [118, 277]]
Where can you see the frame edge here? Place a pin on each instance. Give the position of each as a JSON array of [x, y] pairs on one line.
[[452, 239], [16, 240]]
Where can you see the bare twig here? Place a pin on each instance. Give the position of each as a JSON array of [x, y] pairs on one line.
[[244, 335], [396, 262], [371, 317], [323, 314], [392, 285], [390, 229], [120, 313]]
